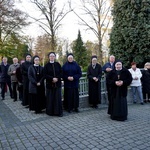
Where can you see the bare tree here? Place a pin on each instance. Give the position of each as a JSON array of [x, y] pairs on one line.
[[95, 16], [52, 18]]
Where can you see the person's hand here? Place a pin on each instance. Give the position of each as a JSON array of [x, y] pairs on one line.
[[108, 69], [119, 83], [70, 78], [14, 72], [94, 78], [38, 84], [55, 80]]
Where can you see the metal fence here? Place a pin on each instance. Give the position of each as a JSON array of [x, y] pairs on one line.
[[83, 85]]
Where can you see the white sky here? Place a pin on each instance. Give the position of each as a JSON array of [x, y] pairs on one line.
[[68, 30]]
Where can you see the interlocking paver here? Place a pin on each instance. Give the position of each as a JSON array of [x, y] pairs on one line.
[[90, 129]]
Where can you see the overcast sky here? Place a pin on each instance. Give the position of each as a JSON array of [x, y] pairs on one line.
[[69, 28]]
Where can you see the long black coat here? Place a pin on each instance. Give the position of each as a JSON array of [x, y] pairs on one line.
[[118, 108], [52, 70], [125, 76], [24, 71], [33, 80], [146, 81], [94, 87], [4, 73]]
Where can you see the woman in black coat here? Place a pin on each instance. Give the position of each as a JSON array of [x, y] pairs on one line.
[[24, 71], [71, 75], [146, 82], [94, 74], [53, 74], [119, 79], [36, 86]]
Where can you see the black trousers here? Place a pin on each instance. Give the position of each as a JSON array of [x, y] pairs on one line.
[[14, 89], [3, 87]]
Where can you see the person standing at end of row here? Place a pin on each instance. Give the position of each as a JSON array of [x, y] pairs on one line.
[[146, 82], [71, 75], [5, 78], [53, 75], [94, 74]]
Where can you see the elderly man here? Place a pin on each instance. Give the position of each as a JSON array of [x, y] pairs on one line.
[[5, 78], [12, 72], [107, 68]]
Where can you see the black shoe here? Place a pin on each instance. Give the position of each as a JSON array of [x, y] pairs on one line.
[[134, 102], [3, 98], [15, 100], [142, 103], [76, 110], [61, 115], [69, 111], [95, 107]]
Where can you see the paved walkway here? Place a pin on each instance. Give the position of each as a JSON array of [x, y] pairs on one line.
[[91, 129]]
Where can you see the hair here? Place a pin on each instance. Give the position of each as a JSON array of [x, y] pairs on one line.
[[133, 63]]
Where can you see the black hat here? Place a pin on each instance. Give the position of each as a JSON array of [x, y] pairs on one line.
[[51, 53], [36, 56], [117, 62], [94, 56], [28, 55], [69, 54]]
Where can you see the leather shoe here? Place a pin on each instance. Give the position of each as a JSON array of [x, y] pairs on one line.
[[61, 115]]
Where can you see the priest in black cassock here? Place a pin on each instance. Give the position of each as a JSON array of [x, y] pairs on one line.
[[24, 72], [119, 79], [94, 74], [71, 75], [53, 74], [37, 100]]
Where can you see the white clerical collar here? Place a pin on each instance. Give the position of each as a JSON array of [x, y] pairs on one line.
[[36, 65], [5, 64], [51, 62]]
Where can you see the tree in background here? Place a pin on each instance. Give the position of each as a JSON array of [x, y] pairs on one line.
[[80, 52], [15, 47], [95, 16], [51, 19], [11, 22], [42, 47], [130, 36]]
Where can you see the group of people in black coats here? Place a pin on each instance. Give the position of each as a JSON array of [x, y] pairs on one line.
[[41, 87]]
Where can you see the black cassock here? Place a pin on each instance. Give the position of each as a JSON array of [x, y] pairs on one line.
[[94, 87], [53, 90], [37, 100], [118, 108], [24, 72]]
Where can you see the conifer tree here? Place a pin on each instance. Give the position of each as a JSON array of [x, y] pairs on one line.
[[80, 52]]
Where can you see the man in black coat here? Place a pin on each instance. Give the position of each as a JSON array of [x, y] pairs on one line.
[[24, 71], [5, 78]]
